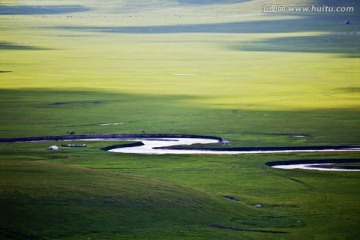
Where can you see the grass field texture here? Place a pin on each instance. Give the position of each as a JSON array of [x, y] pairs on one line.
[[222, 68]]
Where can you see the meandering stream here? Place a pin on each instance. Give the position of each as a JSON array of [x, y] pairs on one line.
[[164, 144]]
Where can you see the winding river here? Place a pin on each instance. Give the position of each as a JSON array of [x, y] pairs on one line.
[[316, 166], [165, 144]]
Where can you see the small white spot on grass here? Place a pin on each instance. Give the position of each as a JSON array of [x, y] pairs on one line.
[[53, 148], [299, 136], [112, 124]]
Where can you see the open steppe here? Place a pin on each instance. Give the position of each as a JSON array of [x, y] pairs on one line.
[[216, 68]]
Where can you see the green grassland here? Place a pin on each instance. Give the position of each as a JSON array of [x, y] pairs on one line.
[[221, 68]]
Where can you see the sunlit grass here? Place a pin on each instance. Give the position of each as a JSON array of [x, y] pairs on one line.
[[188, 64], [164, 67]]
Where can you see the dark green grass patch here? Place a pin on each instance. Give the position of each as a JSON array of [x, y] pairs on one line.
[[13, 46], [77, 193], [304, 24], [336, 42], [50, 200], [36, 10], [31, 113]]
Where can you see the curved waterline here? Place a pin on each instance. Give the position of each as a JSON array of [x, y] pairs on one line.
[[167, 146], [166, 143], [321, 165]]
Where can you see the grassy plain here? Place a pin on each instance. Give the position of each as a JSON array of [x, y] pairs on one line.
[[224, 69]]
